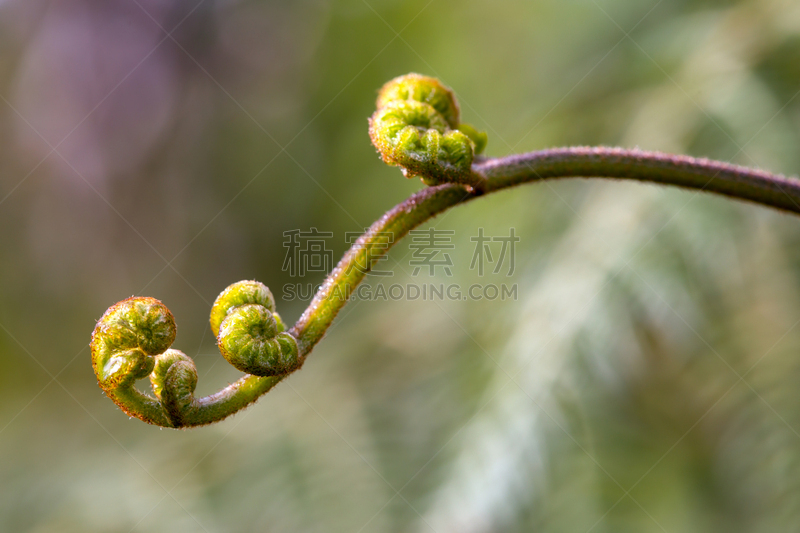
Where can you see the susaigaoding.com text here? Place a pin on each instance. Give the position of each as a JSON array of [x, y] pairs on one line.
[[408, 291]]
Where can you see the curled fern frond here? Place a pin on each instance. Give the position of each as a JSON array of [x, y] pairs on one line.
[[250, 334], [417, 127], [174, 378], [126, 339], [130, 341], [133, 337], [418, 88]]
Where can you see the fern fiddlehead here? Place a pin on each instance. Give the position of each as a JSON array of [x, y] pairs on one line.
[[249, 332], [128, 338], [416, 126], [132, 340]]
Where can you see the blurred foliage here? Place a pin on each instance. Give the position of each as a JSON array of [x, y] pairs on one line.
[[643, 380]]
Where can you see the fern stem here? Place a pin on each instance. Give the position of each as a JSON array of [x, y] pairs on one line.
[[496, 174]]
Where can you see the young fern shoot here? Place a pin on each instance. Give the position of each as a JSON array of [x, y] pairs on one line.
[[416, 127]]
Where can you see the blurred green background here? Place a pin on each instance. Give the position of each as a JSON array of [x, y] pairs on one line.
[[644, 380]]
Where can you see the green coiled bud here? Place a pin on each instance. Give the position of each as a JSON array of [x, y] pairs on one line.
[[127, 337], [132, 340], [174, 378], [416, 126], [250, 334], [418, 88], [133, 337]]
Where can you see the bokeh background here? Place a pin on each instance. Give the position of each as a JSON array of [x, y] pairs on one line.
[[645, 379]]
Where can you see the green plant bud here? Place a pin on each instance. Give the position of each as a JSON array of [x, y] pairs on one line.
[[239, 293], [163, 363], [416, 127], [250, 340], [177, 393], [124, 368], [126, 337], [423, 89]]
